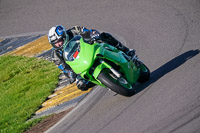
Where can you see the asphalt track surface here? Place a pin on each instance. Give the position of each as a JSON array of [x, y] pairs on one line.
[[166, 36]]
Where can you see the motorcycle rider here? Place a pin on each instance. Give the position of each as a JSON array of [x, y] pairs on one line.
[[58, 34]]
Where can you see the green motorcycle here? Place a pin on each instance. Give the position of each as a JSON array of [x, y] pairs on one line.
[[104, 65]]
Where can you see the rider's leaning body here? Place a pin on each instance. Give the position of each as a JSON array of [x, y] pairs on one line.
[[58, 35]]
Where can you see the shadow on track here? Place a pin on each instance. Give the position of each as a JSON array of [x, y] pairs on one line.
[[166, 68]]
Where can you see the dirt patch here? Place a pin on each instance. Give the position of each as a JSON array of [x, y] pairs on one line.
[[45, 124]]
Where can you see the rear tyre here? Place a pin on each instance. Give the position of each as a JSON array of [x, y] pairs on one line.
[[144, 73], [118, 85]]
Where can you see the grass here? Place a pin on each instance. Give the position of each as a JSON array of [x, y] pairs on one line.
[[24, 84]]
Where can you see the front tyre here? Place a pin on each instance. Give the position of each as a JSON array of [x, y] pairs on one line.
[[118, 85]]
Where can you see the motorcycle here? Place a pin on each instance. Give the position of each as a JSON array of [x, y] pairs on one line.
[[104, 65]]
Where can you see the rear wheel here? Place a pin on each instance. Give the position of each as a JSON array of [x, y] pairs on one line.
[[118, 85], [144, 73]]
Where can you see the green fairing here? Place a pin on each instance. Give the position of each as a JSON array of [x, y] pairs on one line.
[[85, 60], [90, 52]]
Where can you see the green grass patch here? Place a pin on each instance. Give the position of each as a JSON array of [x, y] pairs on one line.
[[24, 84]]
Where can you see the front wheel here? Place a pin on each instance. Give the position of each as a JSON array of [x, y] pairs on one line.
[[118, 85]]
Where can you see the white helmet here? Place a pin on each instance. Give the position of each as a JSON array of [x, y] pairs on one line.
[[57, 35]]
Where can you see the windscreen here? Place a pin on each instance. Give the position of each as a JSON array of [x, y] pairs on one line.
[[72, 48]]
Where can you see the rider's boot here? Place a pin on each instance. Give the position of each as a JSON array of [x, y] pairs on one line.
[[129, 52], [106, 37], [82, 84]]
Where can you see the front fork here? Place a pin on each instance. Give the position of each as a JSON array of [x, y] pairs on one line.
[[116, 73], [102, 66]]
